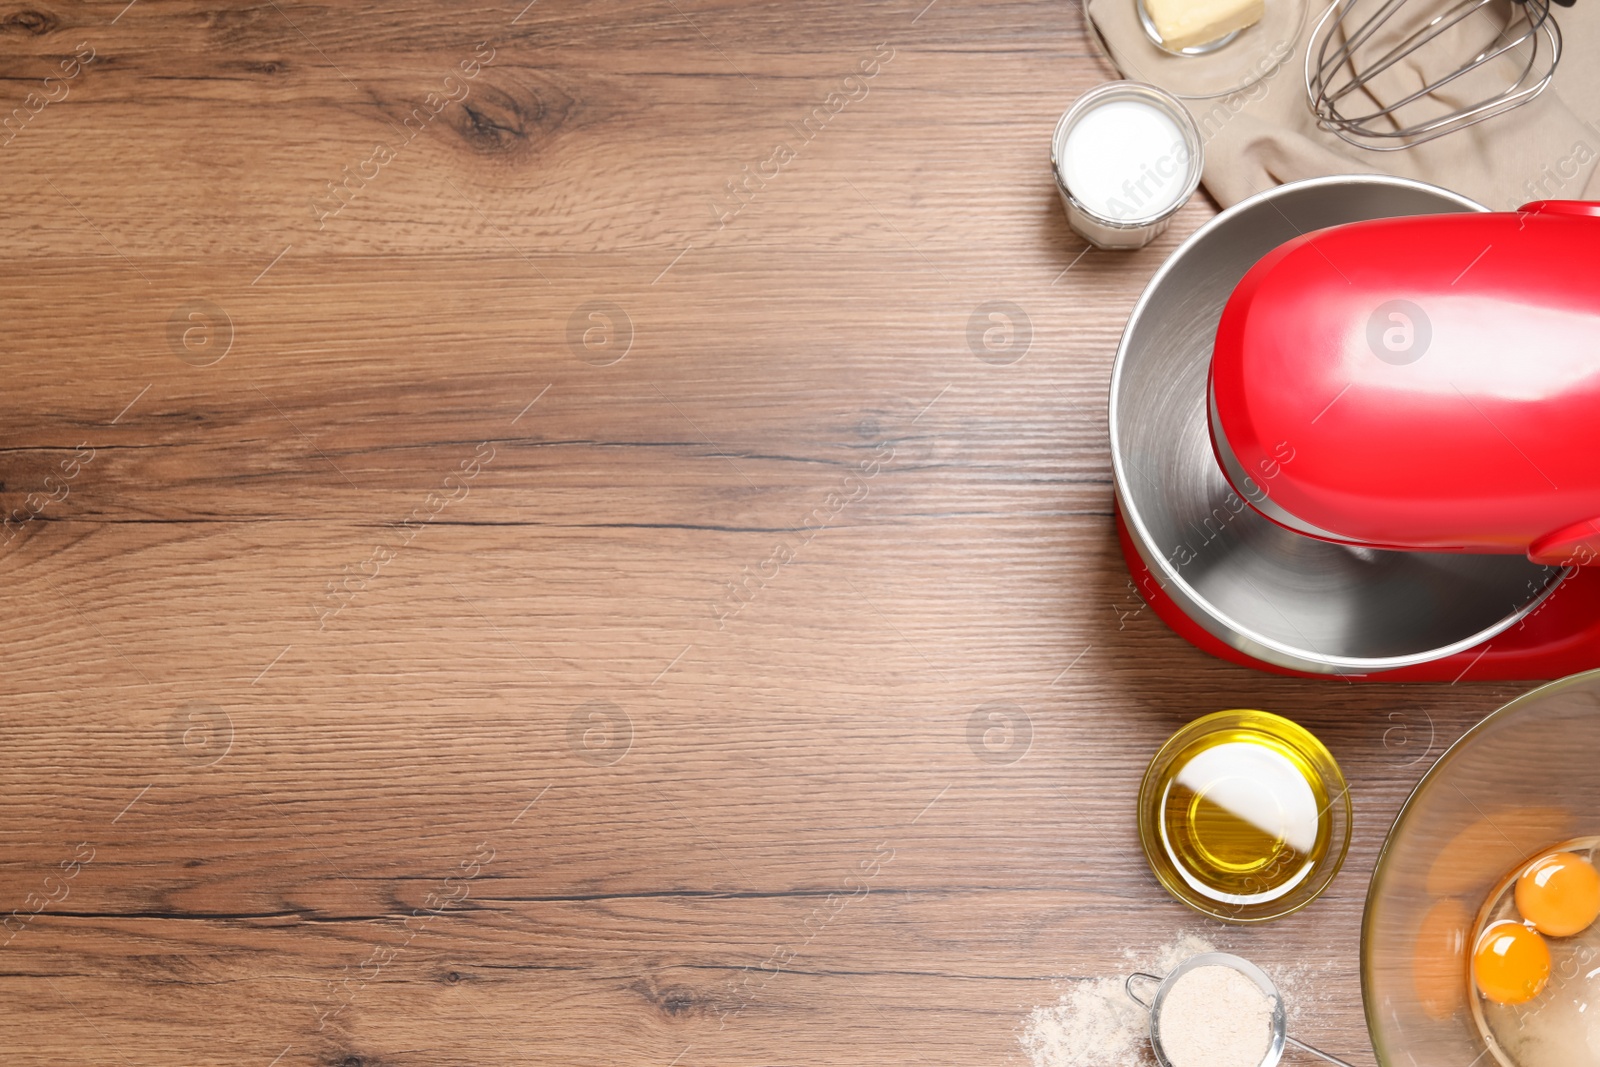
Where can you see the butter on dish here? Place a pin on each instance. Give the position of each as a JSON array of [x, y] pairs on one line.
[[1191, 23]]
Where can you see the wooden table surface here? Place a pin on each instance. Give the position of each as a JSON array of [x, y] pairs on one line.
[[582, 535]]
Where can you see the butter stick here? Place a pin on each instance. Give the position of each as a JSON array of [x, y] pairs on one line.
[[1188, 23]]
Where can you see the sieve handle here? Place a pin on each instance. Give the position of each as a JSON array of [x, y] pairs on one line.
[[1127, 987], [1303, 1047]]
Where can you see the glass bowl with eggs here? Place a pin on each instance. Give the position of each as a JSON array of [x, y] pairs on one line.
[[1480, 942]]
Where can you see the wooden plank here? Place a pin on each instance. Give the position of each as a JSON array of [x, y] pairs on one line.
[[415, 684]]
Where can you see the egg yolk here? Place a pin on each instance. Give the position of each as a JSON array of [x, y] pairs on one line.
[[1511, 963], [1559, 894]]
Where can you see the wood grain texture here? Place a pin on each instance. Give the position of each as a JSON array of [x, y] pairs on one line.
[[417, 685]]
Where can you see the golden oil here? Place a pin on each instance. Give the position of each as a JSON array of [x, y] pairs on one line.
[[1237, 816]]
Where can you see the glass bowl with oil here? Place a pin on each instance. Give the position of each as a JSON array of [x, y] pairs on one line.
[[1244, 816]]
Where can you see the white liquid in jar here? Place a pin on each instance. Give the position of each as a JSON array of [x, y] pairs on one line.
[[1125, 160]]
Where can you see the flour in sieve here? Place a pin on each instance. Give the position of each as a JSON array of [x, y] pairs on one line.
[[1215, 1017]]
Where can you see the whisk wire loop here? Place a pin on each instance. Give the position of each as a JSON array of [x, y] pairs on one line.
[[1340, 74]]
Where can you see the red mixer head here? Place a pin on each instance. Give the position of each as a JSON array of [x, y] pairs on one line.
[[1428, 383]]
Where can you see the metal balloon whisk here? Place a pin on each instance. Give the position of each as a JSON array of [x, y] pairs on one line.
[[1357, 92]]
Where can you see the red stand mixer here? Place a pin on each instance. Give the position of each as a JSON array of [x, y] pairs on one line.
[[1356, 432]]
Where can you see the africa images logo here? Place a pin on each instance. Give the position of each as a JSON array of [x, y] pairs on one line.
[[1399, 332]]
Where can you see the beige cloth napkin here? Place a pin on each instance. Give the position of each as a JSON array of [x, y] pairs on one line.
[[1266, 134]]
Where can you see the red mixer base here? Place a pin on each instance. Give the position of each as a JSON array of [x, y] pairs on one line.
[[1560, 637]]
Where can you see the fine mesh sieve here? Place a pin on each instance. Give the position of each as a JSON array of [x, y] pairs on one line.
[[1279, 1022]]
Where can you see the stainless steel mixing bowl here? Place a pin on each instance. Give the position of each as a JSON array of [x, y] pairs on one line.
[[1523, 779], [1280, 597]]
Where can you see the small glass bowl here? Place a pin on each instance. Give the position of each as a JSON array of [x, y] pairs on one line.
[[1308, 756], [1102, 231]]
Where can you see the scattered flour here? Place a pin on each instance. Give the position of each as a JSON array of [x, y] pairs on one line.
[[1095, 1024], [1168, 957], [1298, 992]]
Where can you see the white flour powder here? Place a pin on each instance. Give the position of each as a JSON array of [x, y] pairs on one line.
[[1095, 1024], [1215, 1017]]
